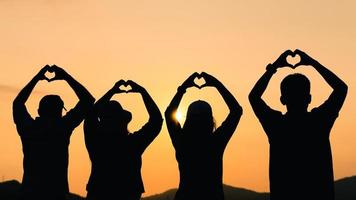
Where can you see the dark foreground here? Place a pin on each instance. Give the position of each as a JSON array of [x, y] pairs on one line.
[[345, 190]]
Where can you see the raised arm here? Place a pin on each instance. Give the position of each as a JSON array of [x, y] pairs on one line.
[[258, 104], [152, 128], [110, 93], [19, 107], [82, 93], [229, 125], [91, 123], [86, 101], [337, 97], [152, 109], [172, 123], [92, 116]]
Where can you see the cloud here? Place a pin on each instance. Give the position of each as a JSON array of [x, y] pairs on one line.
[[8, 88], [12, 89]]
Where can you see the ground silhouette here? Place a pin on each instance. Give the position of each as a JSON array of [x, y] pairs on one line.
[[344, 190]]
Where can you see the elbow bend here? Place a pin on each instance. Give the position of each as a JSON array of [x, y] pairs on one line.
[[168, 113], [17, 103], [251, 97], [342, 90], [160, 121], [236, 113], [157, 120], [346, 88], [90, 100], [240, 110]]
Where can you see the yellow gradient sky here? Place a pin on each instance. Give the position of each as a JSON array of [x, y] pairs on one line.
[[158, 43]]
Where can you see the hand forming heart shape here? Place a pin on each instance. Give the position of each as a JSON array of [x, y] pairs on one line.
[[199, 81], [125, 87], [293, 59], [50, 75]]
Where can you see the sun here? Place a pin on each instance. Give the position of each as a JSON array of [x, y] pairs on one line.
[[179, 116]]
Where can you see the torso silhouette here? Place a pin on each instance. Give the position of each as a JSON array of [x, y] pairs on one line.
[[300, 153], [200, 162], [116, 159], [45, 147]]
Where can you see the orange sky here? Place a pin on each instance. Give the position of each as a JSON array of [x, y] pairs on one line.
[[159, 43]]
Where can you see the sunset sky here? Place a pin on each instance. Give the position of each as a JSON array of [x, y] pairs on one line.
[[158, 43]]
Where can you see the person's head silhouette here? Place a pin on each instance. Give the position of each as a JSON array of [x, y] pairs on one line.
[[113, 117], [51, 106], [295, 90], [199, 119]]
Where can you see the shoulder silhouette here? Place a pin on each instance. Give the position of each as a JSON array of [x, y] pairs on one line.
[[114, 152], [45, 139], [199, 145], [300, 152]]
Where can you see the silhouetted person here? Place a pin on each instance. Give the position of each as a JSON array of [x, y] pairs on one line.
[[45, 139], [114, 152], [300, 152], [199, 146]]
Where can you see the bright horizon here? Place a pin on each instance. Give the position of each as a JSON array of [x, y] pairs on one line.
[[159, 44]]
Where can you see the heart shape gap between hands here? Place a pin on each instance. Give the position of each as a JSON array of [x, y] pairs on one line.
[[199, 81], [125, 87], [294, 60], [50, 75]]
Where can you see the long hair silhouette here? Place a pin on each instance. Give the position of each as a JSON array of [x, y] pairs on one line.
[[199, 121], [199, 146]]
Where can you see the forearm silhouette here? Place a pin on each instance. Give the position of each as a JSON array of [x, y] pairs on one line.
[[235, 110], [173, 106], [172, 122], [152, 109], [234, 107], [257, 91], [152, 128], [110, 93], [339, 87], [82, 93], [25, 93]]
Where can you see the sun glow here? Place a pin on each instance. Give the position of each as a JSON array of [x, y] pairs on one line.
[[179, 116]]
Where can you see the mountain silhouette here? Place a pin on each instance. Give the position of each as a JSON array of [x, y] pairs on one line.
[[231, 193], [9, 190], [345, 189]]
